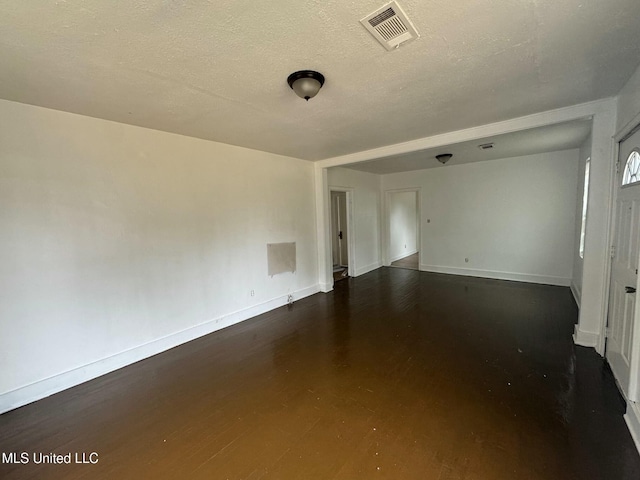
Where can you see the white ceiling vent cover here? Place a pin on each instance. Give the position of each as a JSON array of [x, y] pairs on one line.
[[390, 26]]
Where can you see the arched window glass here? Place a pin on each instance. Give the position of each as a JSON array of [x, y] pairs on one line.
[[632, 169]]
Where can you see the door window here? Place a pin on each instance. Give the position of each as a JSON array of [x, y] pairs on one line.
[[632, 169]]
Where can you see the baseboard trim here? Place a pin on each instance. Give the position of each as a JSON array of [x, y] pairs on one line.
[[498, 275], [57, 383], [576, 293], [368, 268], [585, 339], [404, 255], [632, 418]]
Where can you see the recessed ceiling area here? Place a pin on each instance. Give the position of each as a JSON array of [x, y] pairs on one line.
[[218, 70], [550, 138]]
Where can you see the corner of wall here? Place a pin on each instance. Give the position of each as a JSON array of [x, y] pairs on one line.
[[576, 293], [325, 287]]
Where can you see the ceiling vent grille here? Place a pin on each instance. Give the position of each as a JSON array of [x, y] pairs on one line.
[[390, 26]]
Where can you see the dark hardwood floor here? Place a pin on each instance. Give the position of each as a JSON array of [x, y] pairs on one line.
[[397, 374], [412, 262], [340, 274]]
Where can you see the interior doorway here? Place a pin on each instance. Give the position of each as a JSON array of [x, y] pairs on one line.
[[341, 235], [623, 332], [403, 227]]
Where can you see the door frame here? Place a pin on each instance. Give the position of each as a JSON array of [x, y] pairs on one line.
[[386, 237], [351, 244], [613, 210]]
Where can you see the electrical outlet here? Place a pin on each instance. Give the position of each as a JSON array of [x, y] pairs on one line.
[[253, 293]]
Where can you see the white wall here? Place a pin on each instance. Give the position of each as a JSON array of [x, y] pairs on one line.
[[118, 242], [402, 208], [366, 212], [629, 102], [512, 218], [576, 281]]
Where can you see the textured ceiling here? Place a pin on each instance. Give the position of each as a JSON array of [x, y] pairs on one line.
[[218, 69], [551, 138]]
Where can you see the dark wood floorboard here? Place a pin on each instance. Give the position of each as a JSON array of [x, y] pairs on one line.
[[397, 374], [412, 262], [340, 275]]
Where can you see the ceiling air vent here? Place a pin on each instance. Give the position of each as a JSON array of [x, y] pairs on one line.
[[390, 26]]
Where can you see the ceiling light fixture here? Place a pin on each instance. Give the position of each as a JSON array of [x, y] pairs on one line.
[[444, 157], [486, 146], [306, 83]]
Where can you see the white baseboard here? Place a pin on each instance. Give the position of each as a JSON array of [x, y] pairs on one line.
[[368, 268], [585, 339], [402, 255], [497, 275], [48, 386], [325, 287], [632, 417], [576, 293]]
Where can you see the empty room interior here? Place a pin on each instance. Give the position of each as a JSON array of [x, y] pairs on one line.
[[320, 240]]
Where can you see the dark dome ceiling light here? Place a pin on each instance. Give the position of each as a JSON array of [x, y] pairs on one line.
[[444, 157], [306, 83]]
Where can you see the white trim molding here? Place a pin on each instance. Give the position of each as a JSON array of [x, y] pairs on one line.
[[368, 268], [401, 256], [57, 383], [585, 339], [631, 125], [497, 275], [323, 229]]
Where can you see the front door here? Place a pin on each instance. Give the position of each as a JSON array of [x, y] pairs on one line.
[[621, 348]]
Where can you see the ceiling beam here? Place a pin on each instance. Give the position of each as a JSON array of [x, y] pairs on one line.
[[550, 117]]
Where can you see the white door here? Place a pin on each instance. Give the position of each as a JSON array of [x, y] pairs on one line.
[[622, 350]]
